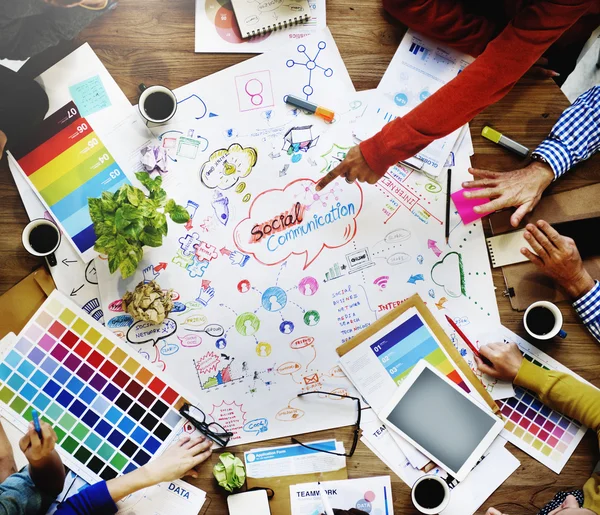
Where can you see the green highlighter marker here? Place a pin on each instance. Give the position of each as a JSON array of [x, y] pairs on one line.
[[503, 141]]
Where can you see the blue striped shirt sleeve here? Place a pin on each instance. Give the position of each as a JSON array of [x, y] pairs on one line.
[[588, 308], [576, 135]]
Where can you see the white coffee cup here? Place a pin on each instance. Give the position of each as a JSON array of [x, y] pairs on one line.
[[146, 92], [558, 321], [29, 247], [441, 506]]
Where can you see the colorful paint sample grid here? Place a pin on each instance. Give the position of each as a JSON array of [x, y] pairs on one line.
[[110, 409], [402, 348], [69, 165], [547, 435]]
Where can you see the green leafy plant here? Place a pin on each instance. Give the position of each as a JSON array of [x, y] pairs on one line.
[[127, 220]]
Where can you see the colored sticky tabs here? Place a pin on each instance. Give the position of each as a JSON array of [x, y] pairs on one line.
[[465, 206]]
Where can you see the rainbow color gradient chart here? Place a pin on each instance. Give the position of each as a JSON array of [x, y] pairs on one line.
[[545, 434], [402, 348], [66, 163], [111, 410]]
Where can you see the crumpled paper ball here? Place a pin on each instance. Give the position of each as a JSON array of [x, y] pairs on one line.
[[154, 159], [148, 302], [229, 472]]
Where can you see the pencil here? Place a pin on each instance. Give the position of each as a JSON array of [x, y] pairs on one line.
[[462, 335], [448, 193], [385, 500]]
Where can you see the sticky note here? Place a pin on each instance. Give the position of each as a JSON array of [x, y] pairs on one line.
[[90, 96], [465, 206]]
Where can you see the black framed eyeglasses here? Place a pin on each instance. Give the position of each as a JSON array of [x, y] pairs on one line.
[[216, 432], [356, 426]]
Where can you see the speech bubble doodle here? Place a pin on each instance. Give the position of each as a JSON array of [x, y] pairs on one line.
[[144, 332], [289, 414], [195, 321], [288, 368], [225, 167], [192, 305], [169, 348], [257, 426], [397, 236], [91, 275], [339, 391], [300, 343], [270, 5], [231, 416], [208, 363], [214, 330], [190, 340], [297, 220], [449, 274], [120, 321], [398, 258], [116, 305], [337, 372]]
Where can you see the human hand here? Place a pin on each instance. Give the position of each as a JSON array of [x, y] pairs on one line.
[[3, 140], [557, 257], [352, 168], [540, 70], [505, 359], [36, 450], [180, 459], [521, 188], [494, 511]]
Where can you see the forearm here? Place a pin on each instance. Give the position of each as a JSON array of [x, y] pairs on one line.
[[562, 392], [588, 309], [49, 474], [489, 78], [575, 136], [123, 486]]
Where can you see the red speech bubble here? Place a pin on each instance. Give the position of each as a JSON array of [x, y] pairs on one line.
[[297, 220]]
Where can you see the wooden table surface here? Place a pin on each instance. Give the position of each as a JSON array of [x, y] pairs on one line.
[[152, 41]]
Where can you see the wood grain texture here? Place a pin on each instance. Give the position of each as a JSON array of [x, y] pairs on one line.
[[152, 41]]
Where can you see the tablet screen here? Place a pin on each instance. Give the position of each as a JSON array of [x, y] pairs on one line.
[[441, 420]]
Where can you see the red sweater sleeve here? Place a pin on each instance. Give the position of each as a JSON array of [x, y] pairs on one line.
[[484, 82], [446, 21]]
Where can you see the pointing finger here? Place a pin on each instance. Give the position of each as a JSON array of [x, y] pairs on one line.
[[483, 174], [551, 232], [331, 176]]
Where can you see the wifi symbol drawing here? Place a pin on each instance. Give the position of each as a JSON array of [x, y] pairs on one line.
[[381, 281]]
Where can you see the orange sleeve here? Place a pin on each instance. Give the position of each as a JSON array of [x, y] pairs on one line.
[[504, 61]]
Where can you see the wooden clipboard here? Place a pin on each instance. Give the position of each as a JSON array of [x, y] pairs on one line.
[[416, 302]]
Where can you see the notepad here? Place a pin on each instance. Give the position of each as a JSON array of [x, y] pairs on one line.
[[505, 249], [256, 18]]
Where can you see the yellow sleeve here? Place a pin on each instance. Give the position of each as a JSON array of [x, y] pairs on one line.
[[575, 399], [562, 392]]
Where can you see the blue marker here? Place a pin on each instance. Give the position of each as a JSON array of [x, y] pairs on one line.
[[36, 423]]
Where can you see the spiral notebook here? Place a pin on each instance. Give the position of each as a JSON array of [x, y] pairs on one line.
[[505, 249], [259, 17]]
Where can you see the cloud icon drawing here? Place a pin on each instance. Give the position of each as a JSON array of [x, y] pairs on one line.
[[449, 274]]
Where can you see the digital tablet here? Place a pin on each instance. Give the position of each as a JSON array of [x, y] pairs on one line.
[[441, 420]]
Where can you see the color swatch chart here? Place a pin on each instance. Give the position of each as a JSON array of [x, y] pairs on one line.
[[68, 165], [111, 411], [547, 435], [402, 348]]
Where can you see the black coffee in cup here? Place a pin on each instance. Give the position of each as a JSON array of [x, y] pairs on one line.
[[540, 320], [429, 494], [43, 238], [159, 105]]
